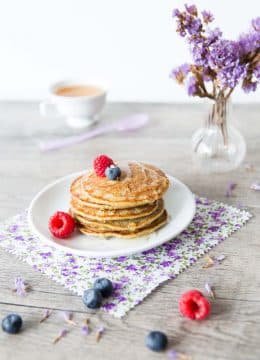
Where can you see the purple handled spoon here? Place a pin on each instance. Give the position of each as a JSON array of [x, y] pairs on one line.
[[129, 123]]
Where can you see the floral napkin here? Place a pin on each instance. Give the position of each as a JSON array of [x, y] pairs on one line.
[[134, 277]]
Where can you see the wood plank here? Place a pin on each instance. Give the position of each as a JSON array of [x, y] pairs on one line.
[[232, 330]]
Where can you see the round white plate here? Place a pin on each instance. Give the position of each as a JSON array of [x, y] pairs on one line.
[[179, 202]]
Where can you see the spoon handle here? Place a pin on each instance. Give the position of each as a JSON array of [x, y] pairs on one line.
[[60, 143]]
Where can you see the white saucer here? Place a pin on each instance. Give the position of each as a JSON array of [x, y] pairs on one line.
[[179, 202]]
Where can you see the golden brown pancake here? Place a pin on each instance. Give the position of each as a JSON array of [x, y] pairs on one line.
[[139, 184], [157, 224], [102, 214], [129, 207], [120, 225]]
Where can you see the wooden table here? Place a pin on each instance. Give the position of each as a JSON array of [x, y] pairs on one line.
[[232, 331]]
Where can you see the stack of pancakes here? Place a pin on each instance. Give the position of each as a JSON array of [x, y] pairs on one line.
[[129, 207]]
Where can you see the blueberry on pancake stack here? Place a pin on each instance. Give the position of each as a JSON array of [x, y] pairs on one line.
[[125, 201]]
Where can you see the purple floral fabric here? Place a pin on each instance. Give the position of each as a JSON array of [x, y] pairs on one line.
[[134, 277]]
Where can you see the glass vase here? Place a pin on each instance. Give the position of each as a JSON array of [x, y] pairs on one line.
[[218, 146]]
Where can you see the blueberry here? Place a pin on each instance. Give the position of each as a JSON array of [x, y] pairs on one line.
[[113, 172], [156, 341], [92, 298], [105, 286], [12, 323]]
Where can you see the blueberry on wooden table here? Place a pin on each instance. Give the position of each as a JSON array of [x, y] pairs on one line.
[[92, 298], [156, 341], [12, 324], [105, 286]]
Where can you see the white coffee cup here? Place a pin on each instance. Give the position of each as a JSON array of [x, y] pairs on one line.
[[80, 108]]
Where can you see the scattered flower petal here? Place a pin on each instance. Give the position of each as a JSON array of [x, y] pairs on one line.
[[210, 290], [46, 314], [85, 330], [62, 334], [209, 262], [21, 287], [255, 186], [220, 258], [68, 316], [230, 188], [99, 333], [174, 355]]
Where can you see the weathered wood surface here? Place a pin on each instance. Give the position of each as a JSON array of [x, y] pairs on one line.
[[232, 332]]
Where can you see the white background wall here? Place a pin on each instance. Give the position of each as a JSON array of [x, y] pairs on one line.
[[129, 45]]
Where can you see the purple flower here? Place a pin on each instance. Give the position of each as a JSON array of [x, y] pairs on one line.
[[131, 267], [121, 258], [176, 13], [109, 306], [180, 73], [85, 330], [256, 24], [19, 238], [13, 228], [256, 72], [249, 86], [166, 263], [21, 287], [194, 26], [207, 16], [45, 255], [191, 9], [192, 86], [249, 42], [172, 355]]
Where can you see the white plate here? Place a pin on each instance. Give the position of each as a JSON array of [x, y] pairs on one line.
[[179, 202]]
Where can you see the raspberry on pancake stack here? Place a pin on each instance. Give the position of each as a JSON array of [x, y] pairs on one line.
[[125, 201]]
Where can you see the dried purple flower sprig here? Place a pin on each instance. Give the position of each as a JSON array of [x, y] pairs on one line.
[[211, 261], [231, 186], [21, 287], [175, 355], [219, 64], [100, 331], [210, 290], [62, 334], [68, 317], [85, 330], [46, 314]]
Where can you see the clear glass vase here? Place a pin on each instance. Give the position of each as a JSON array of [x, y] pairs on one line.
[[218, 146]]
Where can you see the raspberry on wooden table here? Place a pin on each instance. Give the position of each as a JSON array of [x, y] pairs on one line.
[[194, 305]]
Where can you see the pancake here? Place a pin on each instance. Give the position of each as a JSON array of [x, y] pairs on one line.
[[99, 213], [158, 223], [121, 225], [139, 184]]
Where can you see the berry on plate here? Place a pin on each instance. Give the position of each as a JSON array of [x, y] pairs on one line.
[[105, 286], [156, 341], [101, 163], [113, 172], [194, 305], [12, 323], [61, 225], [92, 298]]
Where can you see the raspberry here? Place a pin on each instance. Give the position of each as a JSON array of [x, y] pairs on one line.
[[100, 164], [61, 225], [194, 305]]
